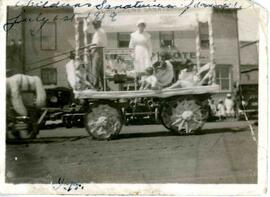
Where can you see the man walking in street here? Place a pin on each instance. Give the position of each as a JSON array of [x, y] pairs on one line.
[[99, 41]]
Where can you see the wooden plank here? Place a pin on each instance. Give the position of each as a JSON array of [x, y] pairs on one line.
[[164, 93]]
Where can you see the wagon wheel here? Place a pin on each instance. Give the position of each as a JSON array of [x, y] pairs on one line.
[[103, 122], [183, 115]]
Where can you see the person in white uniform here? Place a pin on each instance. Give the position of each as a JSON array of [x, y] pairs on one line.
[[140, 41], [221, 110], [229, 106]]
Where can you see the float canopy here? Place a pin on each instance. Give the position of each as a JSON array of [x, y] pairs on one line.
[[155, 19]]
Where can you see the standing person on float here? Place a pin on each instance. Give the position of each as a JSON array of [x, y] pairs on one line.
[[140, 41], [99, 41]]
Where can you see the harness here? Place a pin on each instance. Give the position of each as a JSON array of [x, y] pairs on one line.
[[28, 84]]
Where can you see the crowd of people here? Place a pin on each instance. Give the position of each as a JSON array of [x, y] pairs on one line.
[[224, 109]]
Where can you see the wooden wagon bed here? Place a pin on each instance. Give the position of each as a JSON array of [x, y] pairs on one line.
[[164, 93]]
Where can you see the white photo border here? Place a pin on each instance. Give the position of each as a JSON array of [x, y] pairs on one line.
[[154, 189]]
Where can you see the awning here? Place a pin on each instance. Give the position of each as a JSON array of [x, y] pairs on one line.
[[156, 19]]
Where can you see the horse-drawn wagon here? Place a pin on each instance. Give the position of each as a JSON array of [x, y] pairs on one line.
[[181, 109]]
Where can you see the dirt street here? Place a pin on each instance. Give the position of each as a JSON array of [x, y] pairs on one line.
[[224, 153]]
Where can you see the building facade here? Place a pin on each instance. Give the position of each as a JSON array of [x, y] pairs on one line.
[[249, 62]]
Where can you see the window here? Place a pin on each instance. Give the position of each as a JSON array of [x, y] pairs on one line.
[[48, 36], [223, 77], [166, 38], [81, 33], [49, 76], [204, 35], [204, 41], [123, 40]]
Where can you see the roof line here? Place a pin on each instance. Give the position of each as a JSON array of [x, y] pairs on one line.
[[250, 43]]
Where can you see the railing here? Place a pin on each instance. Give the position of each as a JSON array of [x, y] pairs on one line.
[[210, 74]]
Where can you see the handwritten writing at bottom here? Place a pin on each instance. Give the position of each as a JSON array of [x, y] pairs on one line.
[[70, 186]]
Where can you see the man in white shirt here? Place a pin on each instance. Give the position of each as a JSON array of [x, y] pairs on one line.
[[99, 41], [76, 74], [71, 71]]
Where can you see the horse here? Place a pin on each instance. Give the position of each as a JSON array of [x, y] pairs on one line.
[[19, 83]]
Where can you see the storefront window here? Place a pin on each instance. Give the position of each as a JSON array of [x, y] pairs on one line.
[[49, 76], [123, 40], [223, 77], [166, 39]]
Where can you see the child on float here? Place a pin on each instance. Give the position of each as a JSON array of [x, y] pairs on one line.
[[149, 80]]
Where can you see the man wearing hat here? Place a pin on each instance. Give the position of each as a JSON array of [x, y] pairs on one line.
[[99, 41]]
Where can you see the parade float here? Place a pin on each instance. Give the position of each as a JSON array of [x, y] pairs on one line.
[[182, 110]]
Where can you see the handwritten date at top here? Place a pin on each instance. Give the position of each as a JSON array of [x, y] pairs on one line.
[[43, 20], [104, 5]]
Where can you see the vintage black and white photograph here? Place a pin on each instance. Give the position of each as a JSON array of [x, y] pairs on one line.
[[136, 92]]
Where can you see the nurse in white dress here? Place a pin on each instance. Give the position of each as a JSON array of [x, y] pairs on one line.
[[140, 41]]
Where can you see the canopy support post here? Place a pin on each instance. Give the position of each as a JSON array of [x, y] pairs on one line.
[[211, 50], [77, 41], [77, 48], [198, 45], [85, 40]]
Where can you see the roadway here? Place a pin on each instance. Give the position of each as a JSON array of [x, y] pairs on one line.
[[224, 153]]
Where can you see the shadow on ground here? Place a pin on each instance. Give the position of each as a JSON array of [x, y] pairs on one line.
[[127, 136], [168, 133], [47, 140]]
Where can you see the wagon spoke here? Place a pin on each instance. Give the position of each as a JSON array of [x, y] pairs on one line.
[[187, 127], [180, 126]]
